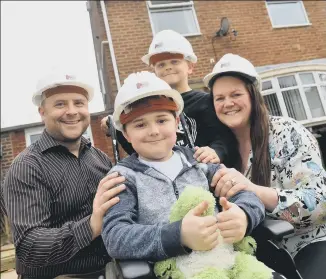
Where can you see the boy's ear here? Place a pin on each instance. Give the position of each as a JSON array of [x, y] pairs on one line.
[[191, 67], [177, 121], [125, 134]]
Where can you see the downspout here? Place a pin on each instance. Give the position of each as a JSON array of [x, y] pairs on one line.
[[109, 41]]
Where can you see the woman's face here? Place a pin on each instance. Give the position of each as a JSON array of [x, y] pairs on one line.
[[232, 102]]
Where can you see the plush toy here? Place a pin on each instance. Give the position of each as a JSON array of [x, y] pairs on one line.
[[225, 261]]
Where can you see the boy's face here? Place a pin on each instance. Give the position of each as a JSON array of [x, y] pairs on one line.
[[153, 135], [174, 71]]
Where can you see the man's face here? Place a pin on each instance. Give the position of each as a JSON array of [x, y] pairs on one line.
[[173, 71], [65, 115]]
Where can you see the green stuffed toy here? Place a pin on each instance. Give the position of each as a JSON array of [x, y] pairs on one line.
[[225, 261]]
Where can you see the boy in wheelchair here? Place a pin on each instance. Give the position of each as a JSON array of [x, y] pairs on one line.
[[147, 113]]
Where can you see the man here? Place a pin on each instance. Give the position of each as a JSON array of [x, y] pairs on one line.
[[54, 191]]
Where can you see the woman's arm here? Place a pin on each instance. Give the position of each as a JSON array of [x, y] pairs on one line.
[[299, 172]]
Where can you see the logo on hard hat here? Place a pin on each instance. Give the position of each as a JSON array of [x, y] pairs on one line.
[[158, 45], [141, 84], [227, 64], [70, 77]]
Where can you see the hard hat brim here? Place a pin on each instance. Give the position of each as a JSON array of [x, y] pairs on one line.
[[146, 58], [207, 79], [37, 97], [175, 95]]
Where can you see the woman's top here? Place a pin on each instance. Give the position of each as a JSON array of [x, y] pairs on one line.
[[298, 176]]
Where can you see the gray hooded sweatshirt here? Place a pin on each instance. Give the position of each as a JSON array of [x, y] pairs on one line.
[[138, 227]]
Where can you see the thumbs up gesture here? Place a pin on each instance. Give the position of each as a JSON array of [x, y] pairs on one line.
[[199, 233], [232, 221]]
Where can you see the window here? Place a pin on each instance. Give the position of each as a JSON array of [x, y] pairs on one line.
[[301, 96], [179, 16], [287, 13], [34, 133]]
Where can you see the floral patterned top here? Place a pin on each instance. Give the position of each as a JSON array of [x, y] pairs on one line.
[[300, 180]]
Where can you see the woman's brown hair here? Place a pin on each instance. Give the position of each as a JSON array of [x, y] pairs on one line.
[[259, 135]]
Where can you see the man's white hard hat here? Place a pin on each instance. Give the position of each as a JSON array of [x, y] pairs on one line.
[[141, 85], [57, 78], [234, 64], [169, 41]]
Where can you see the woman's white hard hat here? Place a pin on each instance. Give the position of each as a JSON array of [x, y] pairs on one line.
[[233, 64]]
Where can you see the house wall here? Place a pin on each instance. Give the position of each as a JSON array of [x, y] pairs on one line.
[[257, 40]]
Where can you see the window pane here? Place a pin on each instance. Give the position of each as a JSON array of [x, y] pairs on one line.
[[35, 137], [287, 81], [294, 104], [287, 13], [322, 77], [267, 85], [181, 21], [167, 2], [272, 104], [314, 101], [307, 78]]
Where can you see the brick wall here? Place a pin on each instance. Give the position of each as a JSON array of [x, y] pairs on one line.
[[13, 143], [257, 40]]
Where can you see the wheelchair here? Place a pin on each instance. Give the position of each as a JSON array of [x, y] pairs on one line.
[[265, 234]]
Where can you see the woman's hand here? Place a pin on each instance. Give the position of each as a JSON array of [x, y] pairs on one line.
[[227, 182], [206, 154]]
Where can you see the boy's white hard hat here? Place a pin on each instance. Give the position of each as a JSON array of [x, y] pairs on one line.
[[57, 78], [234, 64], [171, 42], [138, 86]]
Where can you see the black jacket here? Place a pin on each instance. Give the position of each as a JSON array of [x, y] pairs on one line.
[[205, 128]]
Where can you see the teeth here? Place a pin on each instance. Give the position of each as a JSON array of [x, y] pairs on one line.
[[71, 122], [231, 112]]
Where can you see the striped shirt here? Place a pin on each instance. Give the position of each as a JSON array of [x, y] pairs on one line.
[[49, 195]]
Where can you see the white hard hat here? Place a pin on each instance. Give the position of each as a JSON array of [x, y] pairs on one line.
[[234, 64], [171, 42], [138, 86], [58, 78]]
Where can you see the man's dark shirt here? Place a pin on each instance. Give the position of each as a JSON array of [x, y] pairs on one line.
[[49, 194], [204, 126]]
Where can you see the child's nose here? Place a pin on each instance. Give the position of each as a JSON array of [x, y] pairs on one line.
[[153, 130]]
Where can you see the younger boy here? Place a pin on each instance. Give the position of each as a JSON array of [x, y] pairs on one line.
[[147, 113], [172, 58]]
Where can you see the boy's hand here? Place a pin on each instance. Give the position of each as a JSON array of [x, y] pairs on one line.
[[104, 127], [232, 222], [206, 154], [199, 233]]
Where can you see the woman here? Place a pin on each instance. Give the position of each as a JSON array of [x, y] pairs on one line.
[[279, 161]]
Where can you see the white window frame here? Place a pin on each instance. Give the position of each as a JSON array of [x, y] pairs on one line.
[[310, 121], [177, 6], [32, 131], [39, 130], [289, 25]]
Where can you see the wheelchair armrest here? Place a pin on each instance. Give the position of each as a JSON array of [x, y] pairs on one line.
[[274, 229], [132, 269]]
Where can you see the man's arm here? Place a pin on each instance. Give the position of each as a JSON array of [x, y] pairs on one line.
[[28, 207], [125, 239]]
